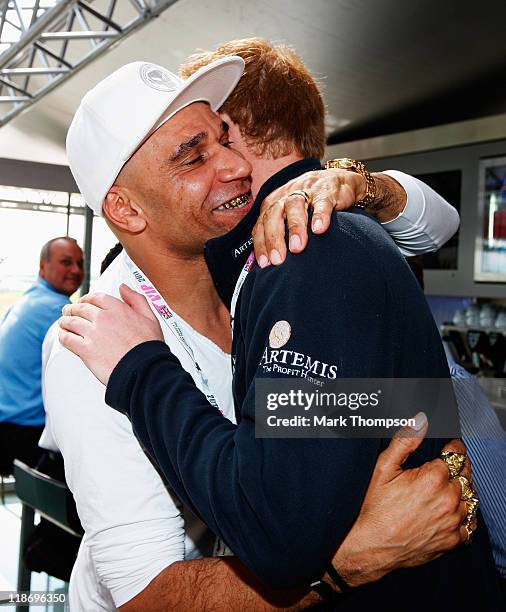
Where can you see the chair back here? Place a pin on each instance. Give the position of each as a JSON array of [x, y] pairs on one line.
[[50, 497]]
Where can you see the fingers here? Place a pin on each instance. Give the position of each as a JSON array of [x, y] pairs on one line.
[[404, 442], [137, 301], [259, 243], [462, 511], [101, 300], [463, 534], [467, 471], [323, 207], [274, 233], [84, 310], [456, 445], [75, 325], [269, 232], [296, 217], [71, 341], [341, 197]]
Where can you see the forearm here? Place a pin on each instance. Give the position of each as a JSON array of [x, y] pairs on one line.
[[218, 584], [212, 466], [426, 222], [360, 560], [390, 200]]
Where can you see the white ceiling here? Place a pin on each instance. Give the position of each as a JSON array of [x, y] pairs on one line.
[[373, 57]]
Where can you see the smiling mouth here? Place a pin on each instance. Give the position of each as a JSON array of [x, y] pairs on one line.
[[238, 202]]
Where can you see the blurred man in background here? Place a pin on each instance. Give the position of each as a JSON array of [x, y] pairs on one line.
[[22, 332]]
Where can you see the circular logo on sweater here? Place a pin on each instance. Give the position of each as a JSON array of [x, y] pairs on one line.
[[158, 78], [280, 334]]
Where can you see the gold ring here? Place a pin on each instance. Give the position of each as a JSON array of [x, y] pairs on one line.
[[467, 490], [470, 524], [454, 461], [302, 194], [470, 532], [472, 510]]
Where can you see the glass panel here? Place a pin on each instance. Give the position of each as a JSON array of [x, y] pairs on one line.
[[22, 235], [28, 219], [490, 256]]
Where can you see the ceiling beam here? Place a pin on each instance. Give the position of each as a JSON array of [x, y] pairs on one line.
[[69, 21]]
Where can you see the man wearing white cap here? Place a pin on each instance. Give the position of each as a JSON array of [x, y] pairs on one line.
[[136, 533]]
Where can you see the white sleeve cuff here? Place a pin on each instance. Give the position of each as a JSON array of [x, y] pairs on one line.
[[427, 221], [128, 557]]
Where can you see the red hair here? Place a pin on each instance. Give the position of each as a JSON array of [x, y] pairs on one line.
[[277, 103]]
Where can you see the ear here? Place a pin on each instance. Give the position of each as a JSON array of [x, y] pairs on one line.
[[122, 210]]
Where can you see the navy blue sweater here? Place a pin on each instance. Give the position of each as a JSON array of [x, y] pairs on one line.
[[284, 505]]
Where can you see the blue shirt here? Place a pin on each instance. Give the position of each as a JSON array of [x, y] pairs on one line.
[[22, 332], [486, 445]]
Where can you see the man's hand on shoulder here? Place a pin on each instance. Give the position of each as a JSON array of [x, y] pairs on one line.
[[100, 329], [328, 190]]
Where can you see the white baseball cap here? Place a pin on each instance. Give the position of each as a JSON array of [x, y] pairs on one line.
[[122, 111]]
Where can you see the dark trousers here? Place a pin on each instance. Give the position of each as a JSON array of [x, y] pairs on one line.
[[19, 442]]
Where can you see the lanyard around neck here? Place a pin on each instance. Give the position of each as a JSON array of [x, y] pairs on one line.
[[240, 282], [165, 314]]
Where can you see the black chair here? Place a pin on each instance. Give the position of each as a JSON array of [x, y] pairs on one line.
[[5, 471], [2, 485], [52, 500]]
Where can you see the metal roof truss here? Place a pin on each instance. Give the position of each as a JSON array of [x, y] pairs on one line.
[[45, 42]]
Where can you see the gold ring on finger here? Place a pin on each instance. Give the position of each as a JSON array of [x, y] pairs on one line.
[[467, 490], [470, 532], [472, 510], [470, 523], [454, 461], [302, 194]]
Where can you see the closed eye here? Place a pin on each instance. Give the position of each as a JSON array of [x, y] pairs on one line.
[[195, 160]]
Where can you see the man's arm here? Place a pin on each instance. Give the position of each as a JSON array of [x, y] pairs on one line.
[[134, 526], [417, 218], [274, 502], [215, 585], [391, 531], [398, 532]]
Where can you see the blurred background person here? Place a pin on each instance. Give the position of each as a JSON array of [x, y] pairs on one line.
[[22, 333]]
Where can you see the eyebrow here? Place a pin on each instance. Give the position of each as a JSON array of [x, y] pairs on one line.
[[193, 142], [188, 145]]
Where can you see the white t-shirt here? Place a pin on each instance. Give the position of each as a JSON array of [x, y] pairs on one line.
[[134, 526]]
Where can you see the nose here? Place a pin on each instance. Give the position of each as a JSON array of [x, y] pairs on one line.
[[233, 167]]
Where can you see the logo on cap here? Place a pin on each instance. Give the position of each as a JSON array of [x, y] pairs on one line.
[[157, 78]]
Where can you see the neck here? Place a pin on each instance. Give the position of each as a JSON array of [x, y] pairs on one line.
[[186, 285], [263, 169]]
